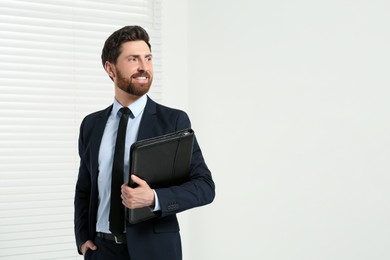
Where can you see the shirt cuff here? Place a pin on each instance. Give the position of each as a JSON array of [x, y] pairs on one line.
[[156, 202]]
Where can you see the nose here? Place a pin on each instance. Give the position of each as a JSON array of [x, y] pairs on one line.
[[141, 65]]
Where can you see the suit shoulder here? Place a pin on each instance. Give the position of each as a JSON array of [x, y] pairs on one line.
[[90, 118], [169, 110], [172, 117]]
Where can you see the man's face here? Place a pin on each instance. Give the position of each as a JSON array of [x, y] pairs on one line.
[[133, 71]]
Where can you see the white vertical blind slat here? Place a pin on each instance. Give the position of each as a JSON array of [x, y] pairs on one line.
[[50, 78]]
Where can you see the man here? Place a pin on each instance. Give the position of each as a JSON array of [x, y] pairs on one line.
[[127, 59]]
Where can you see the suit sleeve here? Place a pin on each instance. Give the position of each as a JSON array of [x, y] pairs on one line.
[[82, 196], [198, 191]]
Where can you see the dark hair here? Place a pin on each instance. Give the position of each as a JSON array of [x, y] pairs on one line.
[[112, 46]]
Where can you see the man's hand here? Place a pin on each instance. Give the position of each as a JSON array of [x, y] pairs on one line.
[[89, 245], [139, 197]]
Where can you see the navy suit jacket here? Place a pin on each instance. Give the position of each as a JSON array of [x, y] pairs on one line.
[[157, 238]]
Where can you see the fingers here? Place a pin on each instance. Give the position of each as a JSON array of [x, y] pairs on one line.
[[86, 246], [139, 197], [92, 246], [138, 180]]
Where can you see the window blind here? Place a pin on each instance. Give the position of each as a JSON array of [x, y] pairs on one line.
[[50, 78]]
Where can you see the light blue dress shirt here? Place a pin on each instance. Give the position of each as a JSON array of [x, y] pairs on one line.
[[106, 155]]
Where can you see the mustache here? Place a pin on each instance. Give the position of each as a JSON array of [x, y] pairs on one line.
[[141, 74]]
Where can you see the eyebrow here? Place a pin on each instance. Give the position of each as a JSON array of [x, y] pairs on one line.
[[139, 55]]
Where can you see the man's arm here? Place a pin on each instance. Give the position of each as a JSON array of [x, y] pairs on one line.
[[82, 197], [197, 191]]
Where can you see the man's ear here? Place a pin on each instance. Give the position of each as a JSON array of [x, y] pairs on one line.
[[109, 69]]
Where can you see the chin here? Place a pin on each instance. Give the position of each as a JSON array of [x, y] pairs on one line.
[[138, 91]]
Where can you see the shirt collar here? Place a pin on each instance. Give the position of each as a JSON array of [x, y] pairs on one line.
[[136, 107]]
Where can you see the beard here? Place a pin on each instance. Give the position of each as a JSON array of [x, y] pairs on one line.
[[134, 88]]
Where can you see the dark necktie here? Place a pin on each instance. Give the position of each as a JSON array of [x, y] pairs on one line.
[[117, 211]]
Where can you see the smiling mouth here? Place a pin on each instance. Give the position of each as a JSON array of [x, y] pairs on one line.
[[141, 77], [141, 80]]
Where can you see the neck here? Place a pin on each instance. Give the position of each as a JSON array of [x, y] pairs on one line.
[[124, 98]]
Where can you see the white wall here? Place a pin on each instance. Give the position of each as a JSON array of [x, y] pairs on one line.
[[289, 100], [175, 53], [175, 77]]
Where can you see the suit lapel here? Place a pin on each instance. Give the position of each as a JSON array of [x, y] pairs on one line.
[[147, 128], [97, 135]]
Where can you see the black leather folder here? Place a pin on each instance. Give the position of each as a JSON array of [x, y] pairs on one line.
[[161, 161]]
